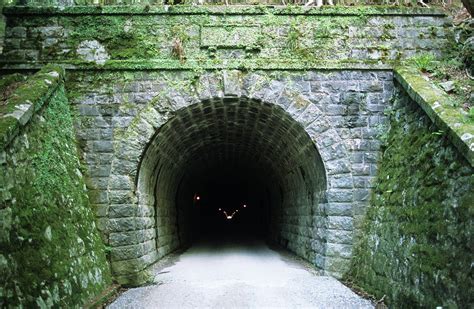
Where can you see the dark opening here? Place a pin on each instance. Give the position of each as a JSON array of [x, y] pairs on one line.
[[229, 204], [225, 154]]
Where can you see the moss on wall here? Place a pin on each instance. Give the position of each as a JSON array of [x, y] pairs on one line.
[[416, 244], [179, 37], [51, 253]]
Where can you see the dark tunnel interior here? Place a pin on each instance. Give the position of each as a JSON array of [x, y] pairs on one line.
[[230, 204], [233, 169]]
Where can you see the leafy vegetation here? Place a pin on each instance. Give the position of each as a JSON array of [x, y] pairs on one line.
[[453, 72]]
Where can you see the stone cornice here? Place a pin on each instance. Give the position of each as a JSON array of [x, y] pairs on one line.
[[220, 10], [439, 108], [165, 64]]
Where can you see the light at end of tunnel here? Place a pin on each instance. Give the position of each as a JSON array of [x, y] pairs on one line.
[[220, 209], [245, 206], [196, 197]]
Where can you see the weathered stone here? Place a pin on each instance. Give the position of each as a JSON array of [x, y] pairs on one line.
[[339, 209], [340, 223], [447, 86], [92, 50], [41, 179], [5, 224], [336, 267], [340, 237], [17, 32], [338, 250], [386, 254], [231, 81], [122, 211], [151, 124]]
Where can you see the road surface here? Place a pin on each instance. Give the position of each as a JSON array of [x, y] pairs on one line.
[[238, 275]]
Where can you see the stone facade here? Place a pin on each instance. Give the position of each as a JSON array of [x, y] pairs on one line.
[[150, 87], [203, 36], [341, 113]]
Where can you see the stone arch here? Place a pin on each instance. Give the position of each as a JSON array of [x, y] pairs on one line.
[[132, 198]]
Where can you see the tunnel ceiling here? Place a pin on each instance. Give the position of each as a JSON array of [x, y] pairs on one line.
[[233, 132]]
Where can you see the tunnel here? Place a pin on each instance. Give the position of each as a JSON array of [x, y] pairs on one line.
[[234, 169]]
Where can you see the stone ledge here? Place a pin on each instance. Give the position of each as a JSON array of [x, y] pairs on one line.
[[104, 297], [439, 108], [26, 100], [171, 65], [221, 10]]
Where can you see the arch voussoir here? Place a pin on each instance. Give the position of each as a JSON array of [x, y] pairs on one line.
[[130, 185], [209, 86]]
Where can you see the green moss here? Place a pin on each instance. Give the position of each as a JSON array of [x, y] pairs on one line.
[[43, 84], [8, 125], [439, 107], [265, 34], [415, 244], [8, 80], [54, 251], [222, 10]]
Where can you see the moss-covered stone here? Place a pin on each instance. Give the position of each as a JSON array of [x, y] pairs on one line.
[[416, 243], [18, 108], [208, 36], [51, 254], [219, 9], [440, 109]]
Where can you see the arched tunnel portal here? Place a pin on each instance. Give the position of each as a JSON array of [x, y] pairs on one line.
[[192, 154], [233, 167]]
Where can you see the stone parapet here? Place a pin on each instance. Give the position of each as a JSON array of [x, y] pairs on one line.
[[193, 37], [440, 109], [21, 105]]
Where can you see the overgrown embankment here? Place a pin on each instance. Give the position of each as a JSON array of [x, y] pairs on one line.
[[51, 253], [417, 241]]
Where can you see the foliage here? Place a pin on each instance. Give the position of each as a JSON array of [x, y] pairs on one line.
[[455, 65], [230, 2], [293, 37], [424, 62]]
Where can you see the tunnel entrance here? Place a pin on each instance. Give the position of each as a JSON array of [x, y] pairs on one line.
[[230, 167]]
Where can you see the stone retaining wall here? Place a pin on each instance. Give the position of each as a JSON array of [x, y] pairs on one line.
[[50, 250], [416, 241]]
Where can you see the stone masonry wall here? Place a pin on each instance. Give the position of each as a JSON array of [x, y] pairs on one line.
[[198, 36], [342, 111], [50, 250], [132, 69], [416, 241]]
